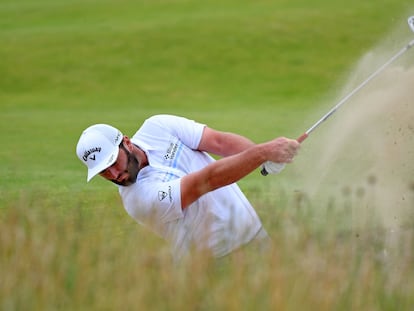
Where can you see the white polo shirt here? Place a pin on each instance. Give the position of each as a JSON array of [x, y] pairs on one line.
[[219, 221]]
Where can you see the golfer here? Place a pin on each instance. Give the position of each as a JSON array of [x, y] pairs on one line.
[[169, 183]]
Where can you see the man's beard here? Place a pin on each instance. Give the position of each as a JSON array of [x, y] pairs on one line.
[[132, 169]]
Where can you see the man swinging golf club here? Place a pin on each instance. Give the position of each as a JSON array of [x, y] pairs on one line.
[[168, 181]]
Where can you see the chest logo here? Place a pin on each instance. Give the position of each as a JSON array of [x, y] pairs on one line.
[[171, 151]]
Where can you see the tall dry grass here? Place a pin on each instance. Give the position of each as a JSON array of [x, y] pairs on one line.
[[71, 256]]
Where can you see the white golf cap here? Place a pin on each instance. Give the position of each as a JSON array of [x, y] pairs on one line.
[[98, 148]]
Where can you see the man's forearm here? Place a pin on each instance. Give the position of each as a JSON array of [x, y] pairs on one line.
[[220, 173], [233, 168]]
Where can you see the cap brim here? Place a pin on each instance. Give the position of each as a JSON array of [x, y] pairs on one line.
[[106, 163]]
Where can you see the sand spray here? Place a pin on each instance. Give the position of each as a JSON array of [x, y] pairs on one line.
[[365, 152]]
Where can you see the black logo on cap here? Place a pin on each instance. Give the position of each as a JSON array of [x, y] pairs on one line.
[[89, 152]]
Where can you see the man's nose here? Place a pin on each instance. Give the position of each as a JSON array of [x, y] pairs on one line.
[[112, 172]]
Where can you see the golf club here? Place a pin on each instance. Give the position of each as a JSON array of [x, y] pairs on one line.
[[343, 100]]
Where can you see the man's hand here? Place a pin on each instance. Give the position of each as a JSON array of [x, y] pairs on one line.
[[282, 150]]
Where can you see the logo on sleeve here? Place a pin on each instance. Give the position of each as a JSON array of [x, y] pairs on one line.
[[162, 194]]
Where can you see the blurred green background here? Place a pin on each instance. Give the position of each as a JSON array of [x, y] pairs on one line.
[[255, 67]]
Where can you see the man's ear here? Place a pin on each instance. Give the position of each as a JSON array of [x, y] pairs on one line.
[[127, 143]]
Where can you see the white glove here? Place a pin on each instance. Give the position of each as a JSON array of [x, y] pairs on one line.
[[272, 168]]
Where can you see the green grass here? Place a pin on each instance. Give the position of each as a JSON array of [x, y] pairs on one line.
[[260, 68]]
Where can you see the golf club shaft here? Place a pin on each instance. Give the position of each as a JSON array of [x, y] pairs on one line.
[[343, 100]]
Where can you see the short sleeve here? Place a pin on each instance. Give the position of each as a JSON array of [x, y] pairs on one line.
[[187, 131]]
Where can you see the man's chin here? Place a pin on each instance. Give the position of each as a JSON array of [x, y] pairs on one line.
[[125, 183]]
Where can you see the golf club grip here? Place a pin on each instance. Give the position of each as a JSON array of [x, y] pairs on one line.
[[302, 137], [264, 172]]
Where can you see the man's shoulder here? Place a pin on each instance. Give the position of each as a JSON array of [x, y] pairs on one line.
[[162, 118], [158, 122]]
